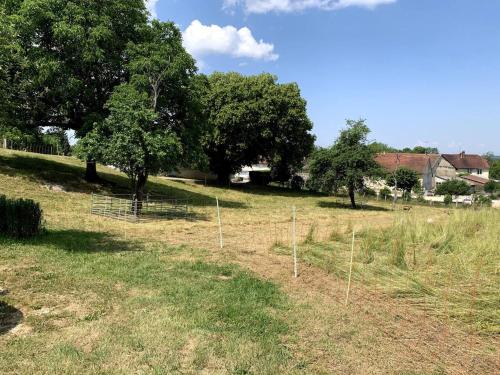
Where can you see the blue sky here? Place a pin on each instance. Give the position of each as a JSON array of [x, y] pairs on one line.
[[421, 72]]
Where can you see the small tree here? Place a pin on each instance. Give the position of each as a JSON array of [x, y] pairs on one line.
[[346, 164], [405, 179], [495, 169], [385, 193], [453, 187]]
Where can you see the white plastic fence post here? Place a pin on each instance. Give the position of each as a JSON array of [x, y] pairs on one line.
[[350, 268], [295, 270], [220, 224]]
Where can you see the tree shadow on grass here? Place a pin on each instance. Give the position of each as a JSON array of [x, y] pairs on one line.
[[273, 190], [364, 207], [77, 241], [70, 176], [10, 317]]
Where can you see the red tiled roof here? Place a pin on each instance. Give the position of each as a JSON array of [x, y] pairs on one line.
[[475, 179], [416, 162], [464, 161]]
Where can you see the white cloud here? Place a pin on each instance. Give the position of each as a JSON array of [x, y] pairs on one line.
[[151, 6], [265, 6], [200, 40]]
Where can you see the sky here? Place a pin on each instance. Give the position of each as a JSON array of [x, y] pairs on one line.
[[421, 72]]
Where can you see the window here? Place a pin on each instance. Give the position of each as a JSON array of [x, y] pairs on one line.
[[479, 171]]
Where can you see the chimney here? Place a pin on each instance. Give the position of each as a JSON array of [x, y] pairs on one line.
[[462, 155]]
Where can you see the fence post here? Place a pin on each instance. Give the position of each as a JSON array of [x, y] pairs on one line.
[[5, 143], [295, 270], [135, 207], [220, 224], [350, 268]]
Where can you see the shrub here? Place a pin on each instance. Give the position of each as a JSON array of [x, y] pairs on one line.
[[385, 193], [482, 200], [491, 186], [448, 199], [297, 182], [20, 218], [261, 178]]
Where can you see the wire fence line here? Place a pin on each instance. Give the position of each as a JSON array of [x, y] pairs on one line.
[[36, 148], [266, 233], [126, 207]]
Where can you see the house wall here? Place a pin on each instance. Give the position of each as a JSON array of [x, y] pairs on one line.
[[445, 169]]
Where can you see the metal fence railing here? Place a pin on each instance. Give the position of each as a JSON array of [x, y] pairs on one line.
[[126, 207]]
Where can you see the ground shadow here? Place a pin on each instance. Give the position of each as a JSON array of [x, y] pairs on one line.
[[78, 241], [70, 177], [364, 207], [10, 317], [275, 191]]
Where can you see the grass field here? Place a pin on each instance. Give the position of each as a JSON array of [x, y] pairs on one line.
[[94, 295]]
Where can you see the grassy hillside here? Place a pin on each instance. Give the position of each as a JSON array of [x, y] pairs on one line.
[[93, 295]]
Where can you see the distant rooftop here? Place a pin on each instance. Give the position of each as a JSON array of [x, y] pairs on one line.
[[415, 162], [466, 161]]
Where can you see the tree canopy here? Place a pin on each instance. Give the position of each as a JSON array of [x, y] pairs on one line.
[[254, 118], [453, 187], [73, 56], [154, 118], [346, 164], [404, 178]]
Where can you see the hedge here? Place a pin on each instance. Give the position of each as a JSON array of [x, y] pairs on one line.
[[20, 218]]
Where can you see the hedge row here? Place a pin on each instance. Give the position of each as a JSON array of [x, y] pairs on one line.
[[20, 218]]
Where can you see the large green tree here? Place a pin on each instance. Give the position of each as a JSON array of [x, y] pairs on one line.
[[346, 164], [155, 118], [252, 119], [10, 64], [74, 57]]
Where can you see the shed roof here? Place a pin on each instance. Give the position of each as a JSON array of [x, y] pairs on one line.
[[476, 180]]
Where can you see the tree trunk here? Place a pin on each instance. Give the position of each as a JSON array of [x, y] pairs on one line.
[[351, 196], [224, 178], [142, 179], [91, 171]]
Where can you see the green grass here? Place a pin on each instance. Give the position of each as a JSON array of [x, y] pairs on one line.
[[142, 309], [94, 295]]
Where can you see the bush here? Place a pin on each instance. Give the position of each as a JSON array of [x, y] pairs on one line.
[[385, 193], [261, 178], [491, 187], [448, 199], [482, 200], [21, 218], [297, 182]]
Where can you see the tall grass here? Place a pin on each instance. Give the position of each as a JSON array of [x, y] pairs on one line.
[[450, 266]]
